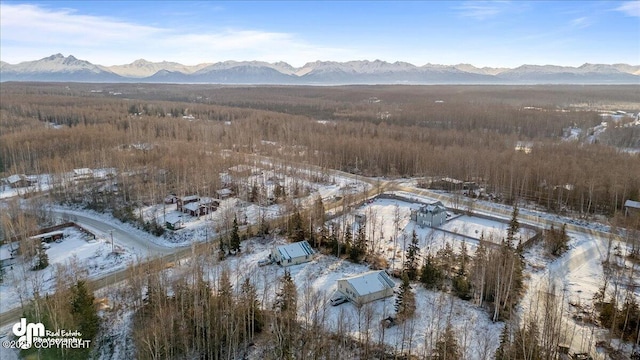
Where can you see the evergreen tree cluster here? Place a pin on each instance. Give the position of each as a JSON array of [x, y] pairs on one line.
[[71, 308]]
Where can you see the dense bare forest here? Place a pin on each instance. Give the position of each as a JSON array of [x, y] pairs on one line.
[[513, 142], [469, 133]]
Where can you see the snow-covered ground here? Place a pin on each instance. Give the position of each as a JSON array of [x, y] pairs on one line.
[[79, 251], [575, 277], [40, 183], [381, 230], [474, 227], [44, 182], [316, 282]]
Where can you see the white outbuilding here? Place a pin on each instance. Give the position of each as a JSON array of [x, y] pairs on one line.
[[292, 254], [367, 287]]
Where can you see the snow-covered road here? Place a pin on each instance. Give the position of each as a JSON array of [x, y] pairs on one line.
[[135, 240]]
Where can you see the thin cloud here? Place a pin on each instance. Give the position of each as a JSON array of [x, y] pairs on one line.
[[29, 31], [482, 10], [581, 22], [630, 8], [30, 23]]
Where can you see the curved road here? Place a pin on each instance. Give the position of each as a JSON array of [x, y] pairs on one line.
[[135, 240]]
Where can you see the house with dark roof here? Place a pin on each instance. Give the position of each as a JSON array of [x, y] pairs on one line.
[[201, 206]]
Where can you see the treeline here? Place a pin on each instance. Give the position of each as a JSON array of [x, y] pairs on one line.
[[467, 138]]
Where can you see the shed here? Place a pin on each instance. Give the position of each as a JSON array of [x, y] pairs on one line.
[[446, 183], [83, 173], [50, 236], [367, 287], [292, 254], [170, 199], [18, 181], [6, 256], [224, 193], [631, 207], [173, 221], [431, 215]]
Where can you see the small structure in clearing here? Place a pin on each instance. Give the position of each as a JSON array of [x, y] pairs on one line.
[[83, 173], [173, 221], [631, 207], [224, 193], [431, 215], [292, 254], [50, 236], [18, 181], [367, 287]]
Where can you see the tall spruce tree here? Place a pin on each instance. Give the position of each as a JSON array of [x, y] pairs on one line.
[[84, 311], [430, 274], [405, 305], [447, 346], [285, 307], [411, 262], [514, 227], [234, 240]]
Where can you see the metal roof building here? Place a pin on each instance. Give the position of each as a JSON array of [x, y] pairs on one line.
[[367, 287], [292, 254]]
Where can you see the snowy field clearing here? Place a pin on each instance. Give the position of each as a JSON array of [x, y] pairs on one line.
[[381, 230], [474, 227], [88, 257]]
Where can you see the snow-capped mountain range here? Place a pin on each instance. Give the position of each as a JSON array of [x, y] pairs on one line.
[[60, 68]]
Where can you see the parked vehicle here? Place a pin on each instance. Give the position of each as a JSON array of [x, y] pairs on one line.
[[338, 299], [264, 262]]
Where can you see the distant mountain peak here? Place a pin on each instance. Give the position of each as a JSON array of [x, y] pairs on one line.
[[54, 57], [57, 67]]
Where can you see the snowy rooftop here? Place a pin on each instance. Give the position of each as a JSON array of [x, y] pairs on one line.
[[435, 207], [632, 204], [52, 233], [370, 282], [295, 250], [224, 192], [240, 168], [189, 198], [83, 171], [5, 252], [173, 217], [14, 178], [192, 206]]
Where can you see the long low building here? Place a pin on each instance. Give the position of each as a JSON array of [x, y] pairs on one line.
[[367, 287], [292, 254]]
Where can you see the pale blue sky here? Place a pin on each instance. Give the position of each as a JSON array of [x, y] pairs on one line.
[[482, 33]]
